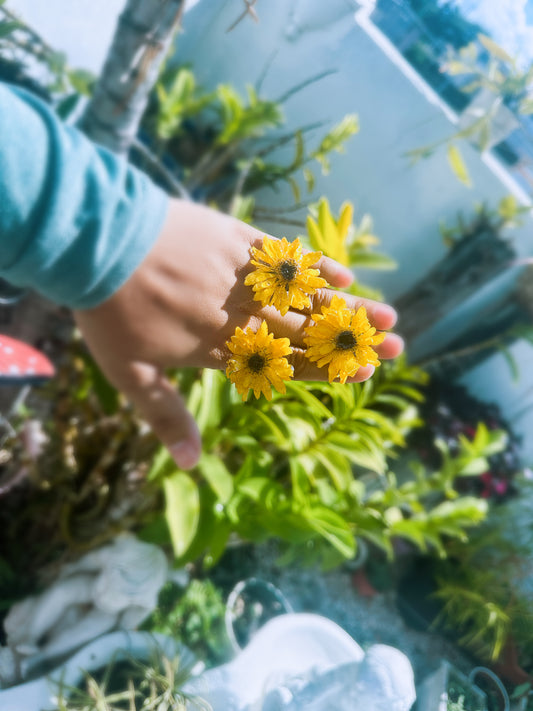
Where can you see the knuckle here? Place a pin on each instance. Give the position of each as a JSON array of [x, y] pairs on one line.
[[300, 364]]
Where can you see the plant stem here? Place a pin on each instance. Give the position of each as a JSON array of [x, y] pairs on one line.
[[175, 186]]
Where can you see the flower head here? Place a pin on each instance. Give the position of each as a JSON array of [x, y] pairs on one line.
[[258, 362], [283, 277], [342, 339]]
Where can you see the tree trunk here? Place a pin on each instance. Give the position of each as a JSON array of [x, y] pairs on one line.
[[142, 38]]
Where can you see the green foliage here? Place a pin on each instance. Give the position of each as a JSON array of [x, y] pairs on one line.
[[501, 77], [179, 99], [311, 468], [458, 165], [335, 141], [458, 705], [479, 586], [504, 83], [506, 215], [195, 617], [222, 143], [345, 241], [485, 623], [241, 120]]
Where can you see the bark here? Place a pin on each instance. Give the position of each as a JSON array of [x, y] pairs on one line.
[[143, 35]]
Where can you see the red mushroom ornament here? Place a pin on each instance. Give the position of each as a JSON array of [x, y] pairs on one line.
[[21, 364]]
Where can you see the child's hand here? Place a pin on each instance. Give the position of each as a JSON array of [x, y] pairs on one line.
[[181, 306]]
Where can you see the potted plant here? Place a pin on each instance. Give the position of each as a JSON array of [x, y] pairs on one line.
[[444, 689]]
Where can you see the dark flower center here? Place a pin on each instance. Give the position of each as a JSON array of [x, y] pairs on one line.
[[345, 341], [256, 363], [288, 269]]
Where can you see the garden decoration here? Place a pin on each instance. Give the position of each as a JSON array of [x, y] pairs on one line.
[[295, 661], [304, 661], [250, 605], [115, 586], [21, 364]]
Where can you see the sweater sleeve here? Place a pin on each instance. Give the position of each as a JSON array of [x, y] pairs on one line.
[[75, 220]]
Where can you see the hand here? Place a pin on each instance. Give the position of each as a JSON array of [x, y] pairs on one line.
[[181, 306]]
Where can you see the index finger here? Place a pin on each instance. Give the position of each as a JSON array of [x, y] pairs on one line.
[[381, 316]]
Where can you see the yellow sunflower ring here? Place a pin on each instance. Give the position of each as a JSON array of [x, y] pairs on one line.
[[342, 339], [283, 276], [258, 362]]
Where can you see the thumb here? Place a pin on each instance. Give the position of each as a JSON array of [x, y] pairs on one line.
[[164, 409]]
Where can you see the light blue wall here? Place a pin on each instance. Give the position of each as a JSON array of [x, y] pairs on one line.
[[80, 28]]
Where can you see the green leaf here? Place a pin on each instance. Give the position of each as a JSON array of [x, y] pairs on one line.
[[217, 475], [455, 68], [511, 362], [67, 105], [333, 528], [458, 166], [521, 690], [182, 510], [526, 107], [7, 27], [299, 150], [371, 260], [296, 194], [495, 49], [162, 465], [309, 178], [484, 136], [81, 80]]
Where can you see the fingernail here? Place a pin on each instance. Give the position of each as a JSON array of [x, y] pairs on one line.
[[387, 313], [184, 454], [366, 372], [370, 370], [346, 275]]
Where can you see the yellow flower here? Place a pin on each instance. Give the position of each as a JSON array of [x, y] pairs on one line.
[[283, 277], [343, 339], [258, 362]]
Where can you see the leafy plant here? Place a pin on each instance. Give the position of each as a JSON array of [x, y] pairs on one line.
[[311, 468], [507, 215], [501, 76], [218, 145], [479, 588], [345, 241], [195, 617], [505, 84]]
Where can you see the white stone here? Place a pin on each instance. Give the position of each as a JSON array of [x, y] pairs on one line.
[[114, 587]]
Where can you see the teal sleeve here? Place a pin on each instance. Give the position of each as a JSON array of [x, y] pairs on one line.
[[75, 220]]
